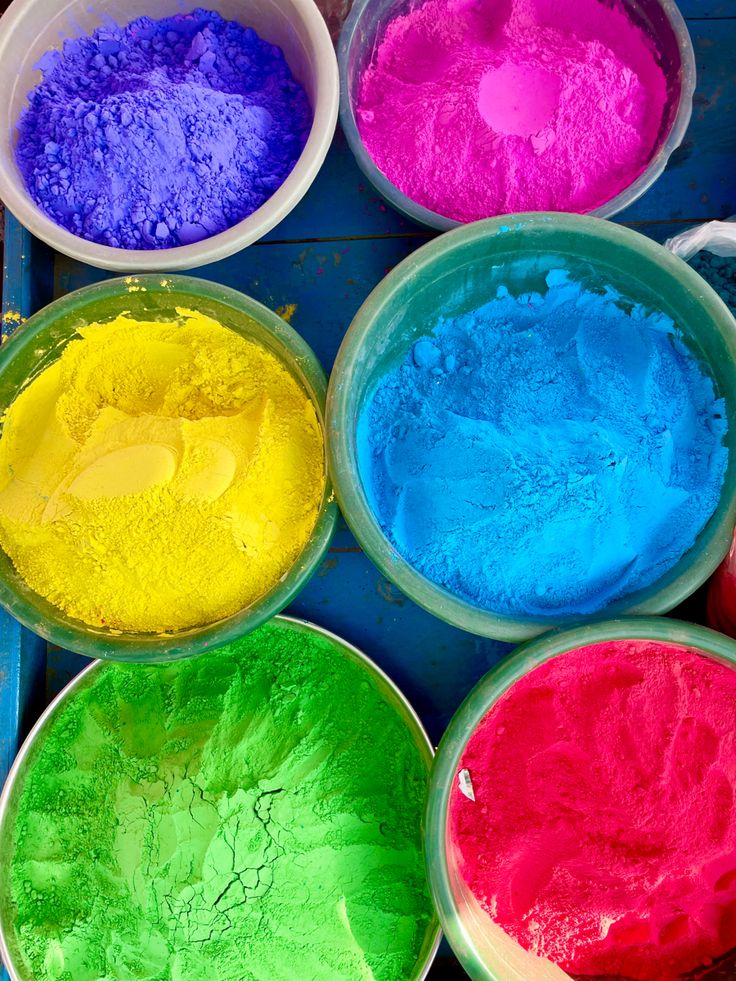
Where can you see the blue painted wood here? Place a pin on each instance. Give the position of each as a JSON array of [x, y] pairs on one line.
[[10, 675], [22, 691], [710, 9], [700, 181], [17, 301], [326, 281], [434, 664]]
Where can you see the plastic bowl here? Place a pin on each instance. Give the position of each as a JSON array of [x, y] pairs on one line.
[[24, 761], [458, 272], [661, 19], [40, 341], [30, 28], [486, 951]]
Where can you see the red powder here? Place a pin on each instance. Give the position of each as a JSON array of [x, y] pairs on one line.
[[603, 832]]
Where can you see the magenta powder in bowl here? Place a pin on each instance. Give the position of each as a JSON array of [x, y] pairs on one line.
[[473, 109]]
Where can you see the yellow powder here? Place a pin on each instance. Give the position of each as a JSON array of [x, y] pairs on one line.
[[159, 476]]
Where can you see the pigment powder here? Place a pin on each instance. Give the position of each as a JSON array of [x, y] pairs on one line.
[[720, 273], [249, 815], [544, 455], [474, 109], [603, 828], [161, 133], [159, 476]]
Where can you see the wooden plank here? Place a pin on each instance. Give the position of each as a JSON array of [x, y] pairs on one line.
[[319, 285], [22, 689], [16, 292], [10, 671], [324, 283], [340, 203], [699, 9], [700, 180], [434, 664]]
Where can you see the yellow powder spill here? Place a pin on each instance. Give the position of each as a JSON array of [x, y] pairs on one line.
[[159, 476]]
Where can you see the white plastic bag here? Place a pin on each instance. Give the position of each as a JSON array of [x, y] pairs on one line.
[[718, 237]]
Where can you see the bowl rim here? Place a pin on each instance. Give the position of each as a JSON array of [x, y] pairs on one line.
[[433, 219], [387, 687], [302, 364], [486, 693], [222, 244], [341, 420]]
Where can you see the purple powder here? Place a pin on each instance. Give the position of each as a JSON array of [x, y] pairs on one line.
[[161, 133]]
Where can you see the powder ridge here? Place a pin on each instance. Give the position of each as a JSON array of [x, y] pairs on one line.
[[249, 815], [544, 455], [720, 273], [161, 133], [159, 475], [474, 109], [603, 833]]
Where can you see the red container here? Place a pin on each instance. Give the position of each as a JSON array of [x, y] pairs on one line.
[[722, 595]]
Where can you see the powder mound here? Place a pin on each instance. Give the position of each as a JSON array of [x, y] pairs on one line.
[[159, 476], [161, 133], [481, 108], [234, 817], [603, 828], [720, 273], [545, 455]]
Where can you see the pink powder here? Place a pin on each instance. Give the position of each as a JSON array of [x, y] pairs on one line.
[[479, 108], [603, 833]]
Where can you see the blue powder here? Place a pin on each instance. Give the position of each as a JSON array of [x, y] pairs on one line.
[[161, 133], [545, 455]]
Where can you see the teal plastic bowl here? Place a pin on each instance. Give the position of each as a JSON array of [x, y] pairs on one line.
[[40, 342], [458, 272], [486, 951]]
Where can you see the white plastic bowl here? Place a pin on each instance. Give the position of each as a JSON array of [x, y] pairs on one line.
[[30, 28]]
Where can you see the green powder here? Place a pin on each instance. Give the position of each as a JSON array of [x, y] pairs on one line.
[[250, 814]]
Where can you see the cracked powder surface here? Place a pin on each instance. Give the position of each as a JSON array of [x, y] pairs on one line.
[[249, 815]]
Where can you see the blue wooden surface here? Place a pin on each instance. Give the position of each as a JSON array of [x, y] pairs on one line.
[[325, 258]]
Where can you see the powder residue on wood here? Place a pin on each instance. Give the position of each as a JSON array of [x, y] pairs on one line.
[[159, 475], [603, 827], [254, 813]]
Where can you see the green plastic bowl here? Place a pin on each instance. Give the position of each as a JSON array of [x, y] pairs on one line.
[[39, 343], [28, 752], [458, 272], [486, 951]]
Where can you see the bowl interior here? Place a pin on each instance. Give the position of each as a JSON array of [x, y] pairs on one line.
[[659, 19], [486, 951], [41, 341], [461, 271], [30, 28], [29, 751]]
